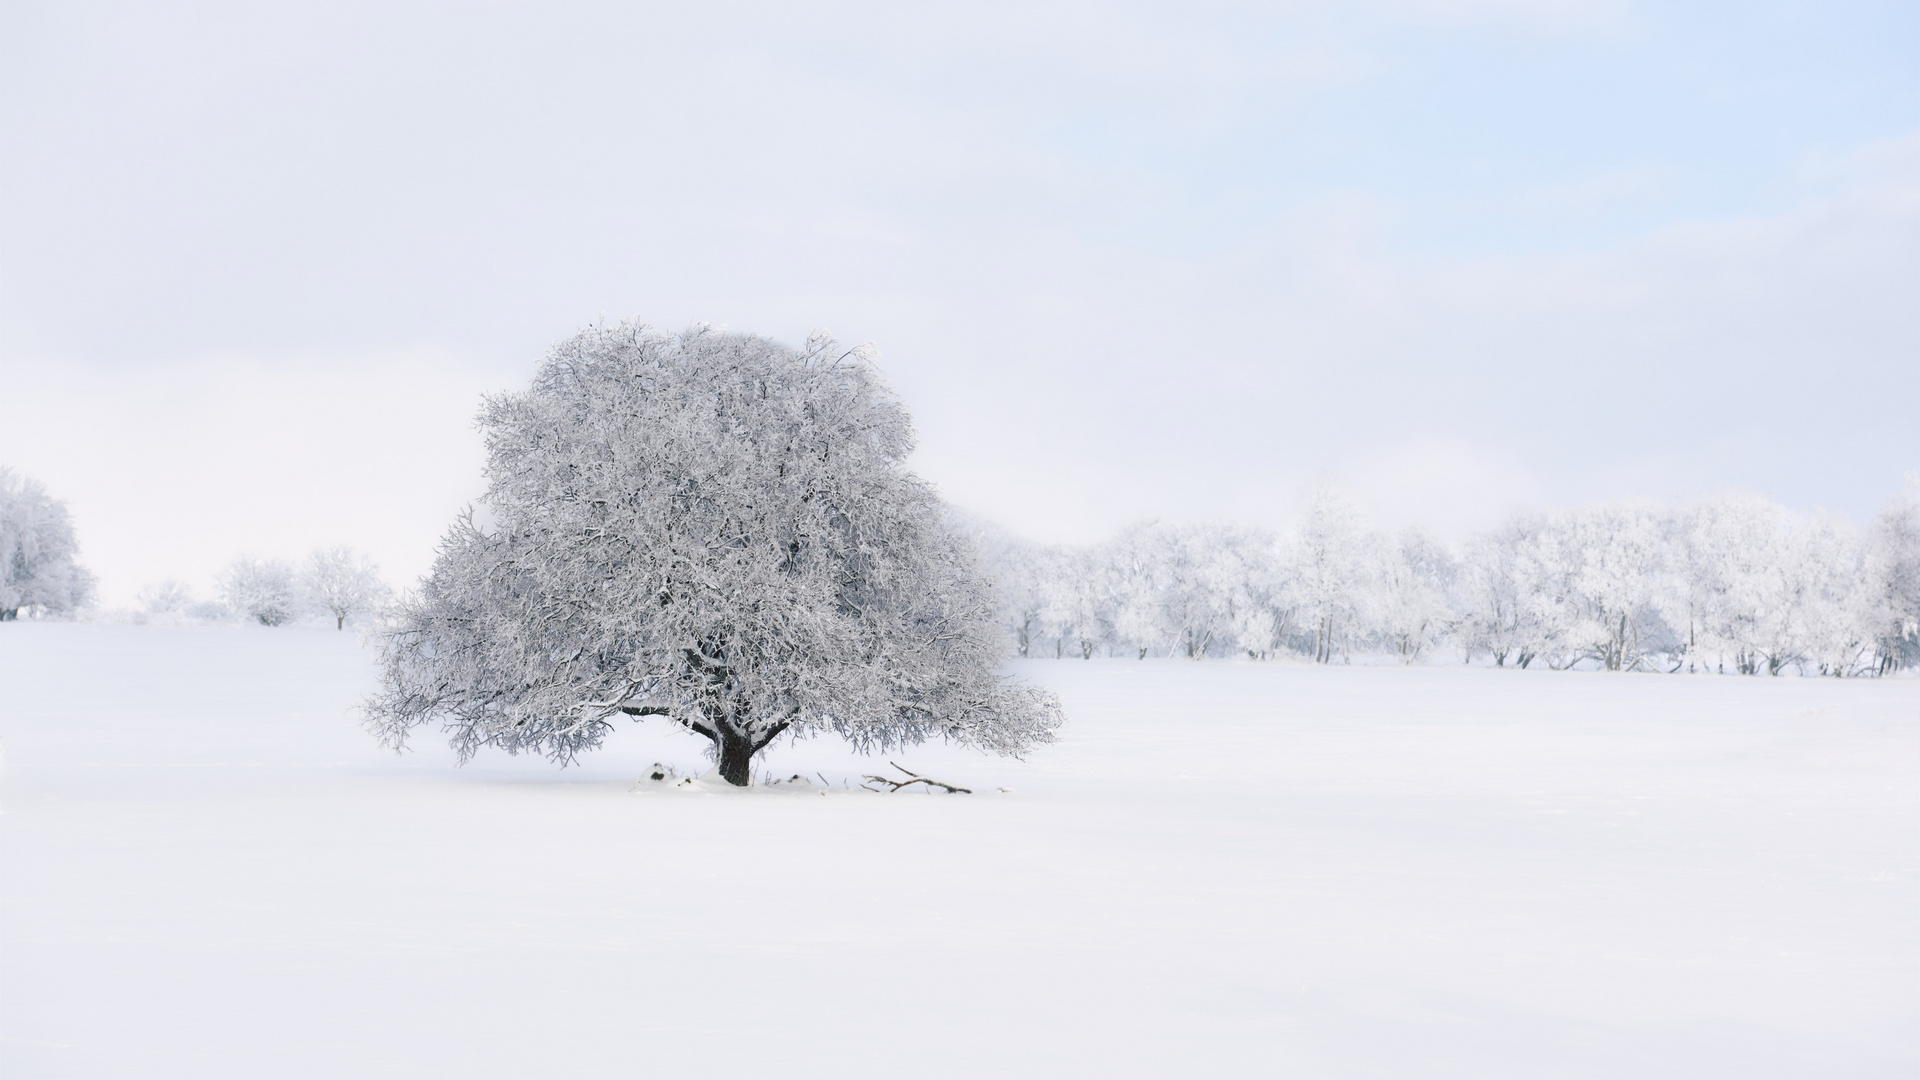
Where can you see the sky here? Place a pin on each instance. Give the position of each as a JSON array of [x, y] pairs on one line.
[[258, 263]]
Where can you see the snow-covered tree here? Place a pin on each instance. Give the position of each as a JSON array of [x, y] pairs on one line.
[[1263, 602], [37, 551], [263, 590], [1025, 579], [1493, 597], [1542, 562], [711, 528], [1196, 571], [1731, 583], [1330, 554], [165, 597], [1411, 605], [1613, 562], [1134, 572], [342, 582], [1890, 595], [1029, 584], [1725, 596], [1827, 630], [1756, 588], [1084, 597]]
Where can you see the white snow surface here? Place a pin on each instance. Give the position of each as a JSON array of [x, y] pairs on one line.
[[1223, 869]]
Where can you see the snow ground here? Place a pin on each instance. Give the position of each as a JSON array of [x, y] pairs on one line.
[[207, 870]]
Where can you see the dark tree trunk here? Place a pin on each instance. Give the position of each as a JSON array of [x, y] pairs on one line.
[[736, 758], [339, 622]]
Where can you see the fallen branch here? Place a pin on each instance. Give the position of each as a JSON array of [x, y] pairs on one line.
[[895, 785]]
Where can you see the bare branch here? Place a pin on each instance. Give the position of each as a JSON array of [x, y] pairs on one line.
[[895, 785]]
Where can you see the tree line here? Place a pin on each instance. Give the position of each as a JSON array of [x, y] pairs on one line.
[[40, 573], [337, 581], [1732, 584]]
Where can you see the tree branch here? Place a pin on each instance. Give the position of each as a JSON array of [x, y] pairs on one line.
[[895, 785], [771, 735], [661, 710], [714, 669]]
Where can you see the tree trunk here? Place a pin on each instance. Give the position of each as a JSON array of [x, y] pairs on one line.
[[736, 758], [339, 622]]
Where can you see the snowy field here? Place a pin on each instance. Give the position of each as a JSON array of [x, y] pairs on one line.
[[207, 870]]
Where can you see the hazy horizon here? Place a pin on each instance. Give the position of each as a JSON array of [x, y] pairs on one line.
[[1120, 262]]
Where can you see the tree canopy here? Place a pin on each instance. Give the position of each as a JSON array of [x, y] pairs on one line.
[[716, 529], [37, 551]]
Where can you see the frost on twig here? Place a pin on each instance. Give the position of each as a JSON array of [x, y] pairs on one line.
[[896, 785]]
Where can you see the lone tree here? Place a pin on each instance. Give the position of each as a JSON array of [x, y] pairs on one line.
[[260, 589], [711, 528], [343, 583], [37, 549]]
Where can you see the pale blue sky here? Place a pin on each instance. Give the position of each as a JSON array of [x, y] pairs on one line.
[[1121, 260]]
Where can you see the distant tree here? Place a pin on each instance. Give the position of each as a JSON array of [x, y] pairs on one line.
[[1264, 599], [207, 611], [1029, 580], [1831, 626], [1201, 586], [1727, 588], [261, 589], [1733, 583], [1612, 561], [1540, 557], [1027, 575], [37, 551], [711, 528], [1756, 588], [342, 582], [1172, 590], [1086, 600], [1494, 607], [1699, 588], [1890, 600], [1135, 569], [165, 597], [1330, 554], [1411, 607]]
